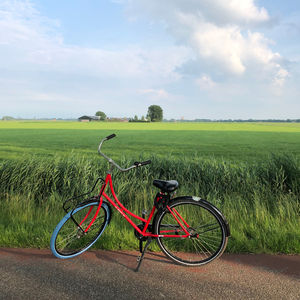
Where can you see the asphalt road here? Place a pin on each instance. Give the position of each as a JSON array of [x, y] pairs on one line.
[[36, 274]]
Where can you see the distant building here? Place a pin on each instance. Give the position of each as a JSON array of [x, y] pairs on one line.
[[7, 118], [88, 118], [113, 119]]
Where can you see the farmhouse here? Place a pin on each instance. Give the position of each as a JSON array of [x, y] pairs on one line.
[[88, 118]]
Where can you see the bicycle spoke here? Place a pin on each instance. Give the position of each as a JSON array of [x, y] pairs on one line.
[[215, 240], [71, 239], [203, 242], [202, 246], [198, 245], [62, 242], [206, 234]]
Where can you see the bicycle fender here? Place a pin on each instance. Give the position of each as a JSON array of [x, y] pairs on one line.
[[216, 210]]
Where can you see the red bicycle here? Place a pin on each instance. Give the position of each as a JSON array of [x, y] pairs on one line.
[[188, 229]]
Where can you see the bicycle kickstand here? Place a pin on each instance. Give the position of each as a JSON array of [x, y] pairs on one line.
[[141, 257]]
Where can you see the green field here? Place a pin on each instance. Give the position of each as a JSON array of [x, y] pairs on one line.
[[251, 171], [233, 141]]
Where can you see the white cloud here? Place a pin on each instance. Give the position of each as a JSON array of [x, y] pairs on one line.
[[237, 11], [220, 33], [43, 47], [280, 77], [205, 82], [22, 25], [242, 12], [33, 50], [23, 30], [155, 94]]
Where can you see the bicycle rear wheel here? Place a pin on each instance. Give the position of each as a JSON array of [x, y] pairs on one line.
[[207, 233], [69, 240]]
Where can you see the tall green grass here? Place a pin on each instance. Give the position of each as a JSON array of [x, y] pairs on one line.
[[260, 200]]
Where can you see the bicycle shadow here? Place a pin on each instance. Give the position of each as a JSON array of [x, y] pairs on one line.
[[129, 260]]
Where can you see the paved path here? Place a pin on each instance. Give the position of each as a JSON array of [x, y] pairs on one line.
[[36, 274]]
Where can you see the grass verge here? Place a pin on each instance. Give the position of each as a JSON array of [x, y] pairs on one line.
[[260, 201]]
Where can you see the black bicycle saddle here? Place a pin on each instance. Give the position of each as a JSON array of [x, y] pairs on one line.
[[166, 185]]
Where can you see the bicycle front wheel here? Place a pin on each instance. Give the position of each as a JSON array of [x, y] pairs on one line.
[[206, 238], [69, 240]]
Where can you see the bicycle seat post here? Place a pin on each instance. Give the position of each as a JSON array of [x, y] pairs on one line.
[[144, 214]]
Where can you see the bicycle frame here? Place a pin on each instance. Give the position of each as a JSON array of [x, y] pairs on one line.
[[124, 211]]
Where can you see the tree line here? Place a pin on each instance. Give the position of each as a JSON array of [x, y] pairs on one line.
[[238, 120], [154, 114]]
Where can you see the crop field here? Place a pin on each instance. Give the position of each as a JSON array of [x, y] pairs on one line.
[[250, 171], [230, 141]]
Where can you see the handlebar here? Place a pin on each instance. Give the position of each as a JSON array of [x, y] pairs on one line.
[[142, 163], [135, 165], [110, 136]]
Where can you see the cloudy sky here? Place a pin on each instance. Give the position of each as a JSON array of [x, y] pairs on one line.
[[195, 58]]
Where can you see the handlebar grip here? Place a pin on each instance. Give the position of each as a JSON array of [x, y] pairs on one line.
[[110, 136], [142, 163], [147, 162]]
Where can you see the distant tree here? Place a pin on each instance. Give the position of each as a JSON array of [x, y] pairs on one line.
[[155, 113], [102, 115], [136, 118], [7, 118], [143, 119]]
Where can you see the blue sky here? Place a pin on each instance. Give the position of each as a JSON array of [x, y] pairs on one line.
[[196, 59]]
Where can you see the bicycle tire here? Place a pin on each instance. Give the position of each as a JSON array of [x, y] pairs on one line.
[[66, 230], [207, 241]]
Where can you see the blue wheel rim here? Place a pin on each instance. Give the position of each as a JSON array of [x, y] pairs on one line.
[[65, 219]]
